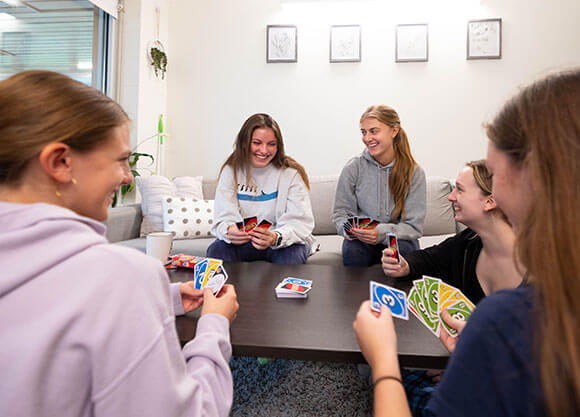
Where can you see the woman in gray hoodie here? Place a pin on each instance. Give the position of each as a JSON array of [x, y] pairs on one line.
[[383, 183]]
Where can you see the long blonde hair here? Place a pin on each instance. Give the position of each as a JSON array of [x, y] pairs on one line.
[[540, 128], [404, 164], [40, 107], [240, 158]]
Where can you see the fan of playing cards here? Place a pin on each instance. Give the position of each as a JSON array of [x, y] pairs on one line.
[[293, 288], [358, 223], [250, 223], [426, 300], [207, 272]]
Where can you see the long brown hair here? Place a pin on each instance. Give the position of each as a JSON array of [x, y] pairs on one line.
[[240, 158], [404, 164], [40, 107], [540, 129]]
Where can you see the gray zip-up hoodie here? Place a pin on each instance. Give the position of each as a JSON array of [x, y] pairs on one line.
[[363, 190]]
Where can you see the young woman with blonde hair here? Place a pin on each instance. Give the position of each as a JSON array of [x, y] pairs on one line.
[[383, 183], [88, 328], [259, 179], [519, 353]]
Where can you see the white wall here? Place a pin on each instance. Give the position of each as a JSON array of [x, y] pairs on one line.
[[218, 76]]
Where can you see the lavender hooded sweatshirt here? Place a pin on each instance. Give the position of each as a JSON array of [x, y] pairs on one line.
[[87, 328]]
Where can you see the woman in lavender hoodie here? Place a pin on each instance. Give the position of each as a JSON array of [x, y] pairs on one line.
[[87, 328]]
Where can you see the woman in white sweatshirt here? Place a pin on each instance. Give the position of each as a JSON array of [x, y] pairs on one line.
[[259, 180]]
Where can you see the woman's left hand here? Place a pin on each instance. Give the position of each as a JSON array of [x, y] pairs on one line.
[[262, 238], [191, 297], [369, 236], [448, 341]]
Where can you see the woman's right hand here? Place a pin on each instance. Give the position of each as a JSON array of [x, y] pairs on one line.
[[226, 302], [236, 236], [391, 267], [375, 334]]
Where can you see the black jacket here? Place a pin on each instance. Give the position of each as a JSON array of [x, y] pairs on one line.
[[453, 260]]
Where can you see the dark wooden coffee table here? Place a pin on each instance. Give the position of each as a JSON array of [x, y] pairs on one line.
[[316, 328]]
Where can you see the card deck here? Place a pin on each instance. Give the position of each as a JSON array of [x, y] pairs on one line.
[[394, 299], [291, 287]]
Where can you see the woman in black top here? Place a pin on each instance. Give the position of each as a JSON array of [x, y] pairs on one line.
[[479, 260]]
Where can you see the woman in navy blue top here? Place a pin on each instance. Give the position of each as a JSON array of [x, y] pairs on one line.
[[519, 354]]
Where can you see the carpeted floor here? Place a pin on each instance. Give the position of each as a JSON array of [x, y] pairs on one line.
[[298, 388]]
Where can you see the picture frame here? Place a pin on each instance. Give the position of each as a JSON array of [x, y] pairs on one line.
[[281, 43], [412, 42], [345, 43], [484, 39]]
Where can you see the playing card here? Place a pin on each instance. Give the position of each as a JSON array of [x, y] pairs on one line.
[[459, 310], [372, 224], [363, 222], [297, 281], [417, 307], [250, 223], [394, 245], [240, 225], [217, 279], [445, 291], [393, 298], [199, 273], [265, 224], [285, 293], [431, 296]]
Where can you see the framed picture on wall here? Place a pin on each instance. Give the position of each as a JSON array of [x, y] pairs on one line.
[[484, 39], [412, 43], [281, 43], [345, 43]]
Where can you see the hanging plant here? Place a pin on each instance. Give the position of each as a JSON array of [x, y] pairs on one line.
[[158, 59]]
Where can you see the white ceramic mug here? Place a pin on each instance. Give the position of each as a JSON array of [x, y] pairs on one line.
[[159, 245]]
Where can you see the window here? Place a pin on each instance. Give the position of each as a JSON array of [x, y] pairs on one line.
[[68, 36]]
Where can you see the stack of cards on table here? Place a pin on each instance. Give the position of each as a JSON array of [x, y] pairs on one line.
[[359, 223], [250, 223], [293, 288], [429, 296], [391, 297], [207, 272]]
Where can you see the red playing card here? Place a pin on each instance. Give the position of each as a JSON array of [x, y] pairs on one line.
[[265, 224], [250, 223]]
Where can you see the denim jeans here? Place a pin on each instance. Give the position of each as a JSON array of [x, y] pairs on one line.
[[357, 253], [294, 254]]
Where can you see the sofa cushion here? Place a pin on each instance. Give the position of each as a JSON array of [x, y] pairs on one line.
[[322, 190], [187, 218], [153, 187], [440, 217]]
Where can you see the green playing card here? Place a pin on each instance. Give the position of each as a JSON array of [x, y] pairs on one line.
[[459, 310], [415, 300], [431, 296]]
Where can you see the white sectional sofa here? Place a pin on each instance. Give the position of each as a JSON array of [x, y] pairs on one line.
[[123, 224]]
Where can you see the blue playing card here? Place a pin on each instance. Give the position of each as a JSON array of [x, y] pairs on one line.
[[393, 298], [297, 281], [199, 273]]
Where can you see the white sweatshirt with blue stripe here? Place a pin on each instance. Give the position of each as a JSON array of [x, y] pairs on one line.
[[278, 195]]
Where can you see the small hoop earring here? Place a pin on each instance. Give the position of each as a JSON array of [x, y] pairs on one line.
[[74, 181]]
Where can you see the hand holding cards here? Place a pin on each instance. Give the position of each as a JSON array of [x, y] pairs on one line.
[[293, 288], [394, 299], [358, 223], [207, 272], [250, 223], [430, 296]]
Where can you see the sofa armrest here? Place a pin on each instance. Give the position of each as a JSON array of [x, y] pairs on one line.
[[124, 223]]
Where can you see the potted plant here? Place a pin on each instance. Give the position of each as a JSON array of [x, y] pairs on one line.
[[127, 188], [158, 59]]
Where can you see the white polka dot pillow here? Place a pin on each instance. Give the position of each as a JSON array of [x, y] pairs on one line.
[[187, 218]]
